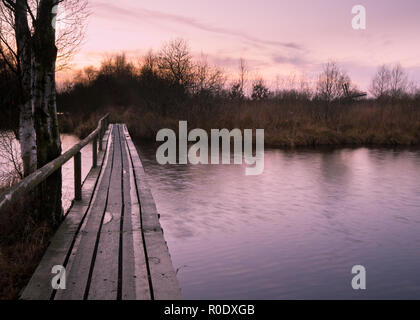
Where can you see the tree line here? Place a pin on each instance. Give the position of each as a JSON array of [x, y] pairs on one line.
[[171, 77]]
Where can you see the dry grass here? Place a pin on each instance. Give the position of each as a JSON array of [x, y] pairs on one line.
[[80, 125], [22, 244], [291, 125]]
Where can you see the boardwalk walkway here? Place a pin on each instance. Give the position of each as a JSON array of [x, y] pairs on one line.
[[111, 242]]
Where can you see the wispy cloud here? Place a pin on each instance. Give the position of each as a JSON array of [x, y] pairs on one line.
[[141, 13], [296, 60]]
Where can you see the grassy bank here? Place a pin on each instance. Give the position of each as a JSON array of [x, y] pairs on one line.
[[367, 123]]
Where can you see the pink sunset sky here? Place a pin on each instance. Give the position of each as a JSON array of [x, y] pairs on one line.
[[276, 37]]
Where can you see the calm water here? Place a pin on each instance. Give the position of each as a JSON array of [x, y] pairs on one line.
[[294, 231], [67, 142], [297, 230]]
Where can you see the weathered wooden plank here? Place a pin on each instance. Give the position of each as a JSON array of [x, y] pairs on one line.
[[162, 274], [82, 255], [135, 280], [104, 282], [149, 214], [161, 271], [39, 286]]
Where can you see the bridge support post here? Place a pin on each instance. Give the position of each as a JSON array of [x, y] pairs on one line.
[[100, 140], [95, 152], [78, 176], [101, 134]]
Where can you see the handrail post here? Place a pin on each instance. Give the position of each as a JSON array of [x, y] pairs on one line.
[[95, 152], [101, 134], [78, 176]]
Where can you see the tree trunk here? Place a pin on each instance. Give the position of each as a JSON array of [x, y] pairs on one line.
[[27, 134], [44, 97], [27, 139]]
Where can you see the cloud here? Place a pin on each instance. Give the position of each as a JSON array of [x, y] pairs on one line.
[[232, 62], [294, 60], [107, 8]]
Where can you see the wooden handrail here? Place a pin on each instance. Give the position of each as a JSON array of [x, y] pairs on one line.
[[30, 182]]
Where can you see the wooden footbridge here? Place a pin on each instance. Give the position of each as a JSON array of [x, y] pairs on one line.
[[110, 243]]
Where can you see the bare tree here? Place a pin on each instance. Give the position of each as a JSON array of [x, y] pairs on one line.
[[30, 36], [243, 74], [293, 85], [117, 65], [390, 82], [207, 78], [175, 62], [10, 160], [398, 85], [333, 83], [149, 63], [70, 29], [381, 82], [237, 88]]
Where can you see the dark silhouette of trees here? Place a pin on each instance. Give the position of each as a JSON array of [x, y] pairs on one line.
[[259, 90], [9, 115], [236, 92], [207, 80]]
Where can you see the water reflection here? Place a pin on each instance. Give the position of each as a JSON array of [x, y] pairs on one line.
[[67, 142], [296, 230]]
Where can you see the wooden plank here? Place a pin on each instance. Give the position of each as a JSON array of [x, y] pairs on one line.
[[161, 271], [135, 280], [149, 216], [39, 286], [162, 274], [104, 283], [79, 265]]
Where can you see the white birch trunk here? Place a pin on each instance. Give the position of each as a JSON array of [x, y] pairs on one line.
[[27, 139], [27, 133]]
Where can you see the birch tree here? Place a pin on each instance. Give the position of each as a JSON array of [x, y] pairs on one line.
[[30, 37]]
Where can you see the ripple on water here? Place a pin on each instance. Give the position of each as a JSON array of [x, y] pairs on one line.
[[296, 230]]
